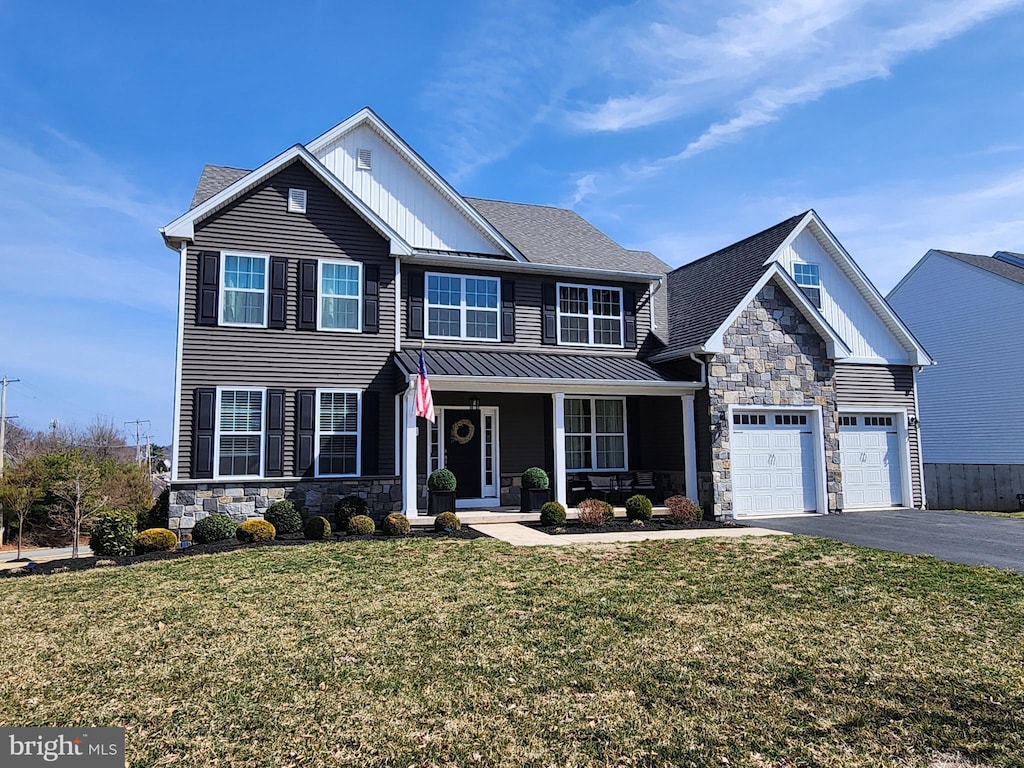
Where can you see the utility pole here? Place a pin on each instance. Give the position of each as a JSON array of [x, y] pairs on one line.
[[138, 437], [3, 417]]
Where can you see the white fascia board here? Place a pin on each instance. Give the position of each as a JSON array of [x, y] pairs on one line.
[[439, 260], [716, 344], [837, 349], [368, 116], [514, 384], [183, 228]]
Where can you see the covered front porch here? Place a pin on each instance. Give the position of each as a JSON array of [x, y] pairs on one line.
[[603, 430]]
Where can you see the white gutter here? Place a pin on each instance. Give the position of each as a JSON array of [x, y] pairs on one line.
[[503, 265]]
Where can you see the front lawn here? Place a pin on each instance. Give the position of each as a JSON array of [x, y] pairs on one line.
[[759, 652]]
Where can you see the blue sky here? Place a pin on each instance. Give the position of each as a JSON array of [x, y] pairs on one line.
[[677, 127]]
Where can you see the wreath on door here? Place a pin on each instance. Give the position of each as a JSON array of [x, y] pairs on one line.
[[462, 431]]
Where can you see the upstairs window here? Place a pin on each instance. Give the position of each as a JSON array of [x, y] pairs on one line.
[[239, 433], [243, 292], [589, 315], [809, 280], [462, 307], [340, 293]]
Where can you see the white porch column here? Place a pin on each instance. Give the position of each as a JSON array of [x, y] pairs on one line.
[[409, 497], [561, 486], [689, 448]]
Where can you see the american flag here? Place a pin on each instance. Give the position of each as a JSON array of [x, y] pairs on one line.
[[424, 400]]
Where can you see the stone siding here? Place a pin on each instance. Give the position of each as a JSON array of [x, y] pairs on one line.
[[772, 357]]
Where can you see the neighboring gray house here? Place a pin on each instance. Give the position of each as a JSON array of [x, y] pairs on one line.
[[967, 310]]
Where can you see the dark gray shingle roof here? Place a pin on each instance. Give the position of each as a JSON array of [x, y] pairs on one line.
[[547, 235], [703, 293], [990, 264], [212, 180]]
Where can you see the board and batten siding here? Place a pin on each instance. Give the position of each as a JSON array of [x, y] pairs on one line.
[[416, 209], [972, 322], [878, 386], [288, 358]]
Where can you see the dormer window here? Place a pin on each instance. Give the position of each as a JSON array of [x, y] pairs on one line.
[[809, 280]]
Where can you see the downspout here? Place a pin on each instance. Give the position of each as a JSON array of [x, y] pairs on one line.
[[653, 288], [398, 300], [920, 447], [703, 369]]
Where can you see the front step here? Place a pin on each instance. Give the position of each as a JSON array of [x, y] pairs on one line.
[[486, 516]]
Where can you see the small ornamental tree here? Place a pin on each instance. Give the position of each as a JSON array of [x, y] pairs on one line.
[[76, 492], [18, 494]]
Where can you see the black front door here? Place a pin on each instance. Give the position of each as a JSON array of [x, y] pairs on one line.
[[462, 451]]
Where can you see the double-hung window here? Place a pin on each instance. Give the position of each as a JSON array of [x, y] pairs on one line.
[[462, 307], [243, 289], [340, 292], [595, 433], [809, 280], [239, 432], [337, 432], [590, 315]]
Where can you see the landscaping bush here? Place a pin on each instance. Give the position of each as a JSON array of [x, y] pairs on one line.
[[535, 478], [154, 540], [552, 513], [317, 528], [639, 507], [255, 530], [284, 517], [361, 525], [347, 508], [683, 510], [447, 521], [113, 534], [441, 480], [396, 524], [214, 528], [595, 513]]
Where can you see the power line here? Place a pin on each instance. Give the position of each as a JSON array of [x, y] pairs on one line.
[[4, 417], [138, 437]]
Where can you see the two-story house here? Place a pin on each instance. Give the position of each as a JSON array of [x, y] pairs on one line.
[[309, 285]]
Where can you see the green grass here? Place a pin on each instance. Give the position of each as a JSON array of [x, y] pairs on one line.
[[781, 652], [1011, 515]]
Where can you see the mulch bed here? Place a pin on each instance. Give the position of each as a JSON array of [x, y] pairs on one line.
[[622, 525], [229, 545]]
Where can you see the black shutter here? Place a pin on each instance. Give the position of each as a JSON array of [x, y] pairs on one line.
[[305, 431], [306, 310], [204, 408], [278, 291], [273, 464], [550, 314], [629, 318], [508, 310], [415, 309], [207, 288], [371, 299], [369, 433]]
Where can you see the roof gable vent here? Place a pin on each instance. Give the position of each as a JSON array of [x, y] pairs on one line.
[[296, 201], [364, 159]]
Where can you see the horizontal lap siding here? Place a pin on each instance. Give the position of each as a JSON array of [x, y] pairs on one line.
[[890, 386], [288, 358]]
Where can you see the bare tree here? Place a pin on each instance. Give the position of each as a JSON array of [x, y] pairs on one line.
[[77, 491], [17, 495]]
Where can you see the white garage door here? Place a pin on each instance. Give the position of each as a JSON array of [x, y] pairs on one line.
[[772, 463], [869, 459]]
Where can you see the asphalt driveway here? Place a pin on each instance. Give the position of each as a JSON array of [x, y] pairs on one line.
[[952, 536]]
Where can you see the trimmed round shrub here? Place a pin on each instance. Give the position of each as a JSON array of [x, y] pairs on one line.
[[535, 478], [284, 517], [396, 524], [552, 513], [113, 535], [361, 525], [683, 510], [317, 528], [441, 480], [155, 540], [594, 512], [348, 507], [255, 530], [214, 528], [447, 521], [639, 507]]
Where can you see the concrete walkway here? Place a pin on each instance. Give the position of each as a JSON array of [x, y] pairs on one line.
[[523, 536]]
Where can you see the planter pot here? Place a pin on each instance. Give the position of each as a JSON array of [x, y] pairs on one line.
[[440, 501], [532, 499]]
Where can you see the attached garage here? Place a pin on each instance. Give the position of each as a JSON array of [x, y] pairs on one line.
[[870, 459], [774, 459]]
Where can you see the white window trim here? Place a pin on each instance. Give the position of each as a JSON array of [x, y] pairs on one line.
[[804, 286], [217, 432], [594, 435], [320, 296], [590, 316], [427, 306], [222, 288], [359, 430]]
